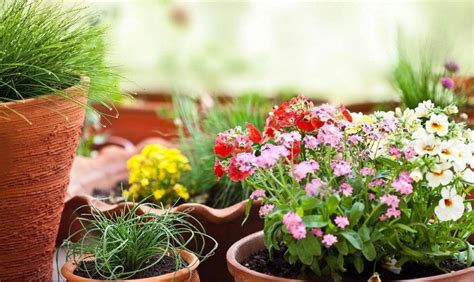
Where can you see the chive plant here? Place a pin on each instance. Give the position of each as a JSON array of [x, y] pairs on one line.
[[131, 241], [46, 48], [197, 136]]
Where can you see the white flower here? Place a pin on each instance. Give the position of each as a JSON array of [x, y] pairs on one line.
[[448, 150], [452, 109], [451, 206], [426, 145], [467, 175], [438, 124], [470, 153], [423, 108], [416, 175], [440, 175]]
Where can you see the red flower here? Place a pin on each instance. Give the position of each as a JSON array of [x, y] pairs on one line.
[[234, 173], [345, 113], [242, 144], [219, 170], [222, 148], [306, 122], [295, 150], [253, 134]]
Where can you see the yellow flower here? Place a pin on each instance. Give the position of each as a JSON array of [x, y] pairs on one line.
[[158, 194], [181, 191]]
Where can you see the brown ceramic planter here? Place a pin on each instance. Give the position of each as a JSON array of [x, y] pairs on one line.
[[36, 158], [253, 243], [188, 274]]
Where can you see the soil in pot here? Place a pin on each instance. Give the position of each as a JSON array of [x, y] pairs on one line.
[[166, 265], [260, 262]]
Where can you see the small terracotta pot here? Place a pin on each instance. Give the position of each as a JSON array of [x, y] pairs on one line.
[[188, 274], [253, 243], [38, 139]]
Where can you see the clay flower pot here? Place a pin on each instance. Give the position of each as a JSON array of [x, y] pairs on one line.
[[253, 243], [38, 139], [188, 274]]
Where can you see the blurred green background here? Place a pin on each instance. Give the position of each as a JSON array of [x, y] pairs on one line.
[[341, 51]]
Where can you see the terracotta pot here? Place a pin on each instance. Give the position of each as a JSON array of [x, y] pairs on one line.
[[121, 142], [253, 243], [183, 275], [34, 175]]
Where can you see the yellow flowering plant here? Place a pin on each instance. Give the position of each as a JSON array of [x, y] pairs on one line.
[[155, 173]]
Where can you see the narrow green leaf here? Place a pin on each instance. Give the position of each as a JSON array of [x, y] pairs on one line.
[[314, 221], [368, 250], [353, 238], [355, 213]]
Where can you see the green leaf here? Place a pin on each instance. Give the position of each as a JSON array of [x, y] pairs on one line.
[[315, 267], [355, 213], [368, 250], [331, 204], [358, 264], [405, 227], [342, 247], [311, 244], [248, 207], [309, 203], [314, 221], [353, 238], [364, 233]]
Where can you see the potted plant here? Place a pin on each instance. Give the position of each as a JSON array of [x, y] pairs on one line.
[[349, 196], [134, 243], [51, 60]]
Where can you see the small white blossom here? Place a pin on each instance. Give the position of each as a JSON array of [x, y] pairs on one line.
[[451, 206], [416, 175], [438, 124], [439, 175]]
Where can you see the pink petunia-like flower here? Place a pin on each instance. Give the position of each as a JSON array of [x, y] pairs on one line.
[[410, 153], [354, 139], [257, 194], [329, 240], [345, 189], [392, 212], [330, 135], [341, 168], [341, 221], [270, 155], [394, 152], [376, 182], [314, 187], [245, 162], [366, 171], [403, 183], [390, 200], [371, 196], [288, 138], [265, 210], [303, 168], [318, 232], [311, 142], [295, 226]]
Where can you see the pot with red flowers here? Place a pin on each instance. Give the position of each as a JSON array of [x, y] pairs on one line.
[[348, 197]]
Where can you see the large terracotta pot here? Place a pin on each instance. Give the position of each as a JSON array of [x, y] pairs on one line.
[[38, 139], [253, 243], [188, 274]]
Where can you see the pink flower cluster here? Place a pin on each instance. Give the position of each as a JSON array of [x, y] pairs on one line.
[[392, 201], [403, 183], [304, 168], [295, 226], [314, 187], [341, 168]]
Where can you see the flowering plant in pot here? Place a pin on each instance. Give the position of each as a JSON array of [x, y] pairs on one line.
[[346, 195], [51, 61], [134, 243]]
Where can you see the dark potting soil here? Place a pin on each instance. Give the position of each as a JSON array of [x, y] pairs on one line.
[[111, 196], [166, 265], [260, 262]]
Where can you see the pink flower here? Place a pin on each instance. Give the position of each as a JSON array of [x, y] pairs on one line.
[[371, 196], [392, 212], [403, 183], [390, 200], [245, 162], [318, 232], [257, 194], [447, 82], [295, 226], [382, 217], [288, 139], [410, 153], [310, 142], [365, 171], [376, 182], [265, 210], [341, 168], [270, 154], [345, 189], [303, 168], [354, 139], [329, 240], [389, 124], [341, 221], [330, 135], [394, 152], [313, 188]]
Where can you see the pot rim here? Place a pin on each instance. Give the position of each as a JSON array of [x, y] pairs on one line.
[[232, 261], [84, 81], [67, 270]]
